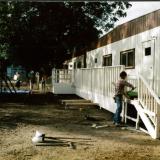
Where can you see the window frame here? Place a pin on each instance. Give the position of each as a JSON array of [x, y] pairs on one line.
[[106, 56], [126, 53]]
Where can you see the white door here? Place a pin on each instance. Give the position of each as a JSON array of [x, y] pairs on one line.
[[147, 61]]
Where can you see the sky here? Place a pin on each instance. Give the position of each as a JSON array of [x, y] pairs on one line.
[[138, 9]]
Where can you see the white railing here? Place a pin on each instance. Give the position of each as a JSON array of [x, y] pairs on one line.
[[134, 82], [49, 84], [61, 76], [95, 84], [111, 76], [62, 81], [150, 103]]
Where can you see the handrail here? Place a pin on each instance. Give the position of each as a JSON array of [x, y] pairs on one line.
[[61, 76], [96, 83], [102, 67], [150, 89], [150, 102]]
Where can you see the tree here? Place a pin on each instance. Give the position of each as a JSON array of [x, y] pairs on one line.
[[46, 33], [3, 51]]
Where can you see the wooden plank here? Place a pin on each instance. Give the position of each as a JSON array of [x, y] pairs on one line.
[[131, 118], [74, 100], [81, 104], [67, 105]]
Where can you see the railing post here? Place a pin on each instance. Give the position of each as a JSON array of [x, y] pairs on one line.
[[124, 111], [73, 76], [137, 121], [92, 84], [157, 122], [53, 75], [139, 89]]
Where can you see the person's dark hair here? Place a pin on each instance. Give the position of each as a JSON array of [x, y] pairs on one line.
[[123, 75]]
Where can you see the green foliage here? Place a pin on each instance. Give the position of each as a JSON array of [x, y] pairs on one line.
[[41, 33], [4, 51]]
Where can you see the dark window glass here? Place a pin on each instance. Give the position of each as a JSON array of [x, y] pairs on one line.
[[148, 51], [131, 58], [127, 58], [79, 65], [107, 60], [74, 65], [123, 59]]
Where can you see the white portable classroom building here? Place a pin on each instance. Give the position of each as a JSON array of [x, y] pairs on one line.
[[134, 47], [135, 44]]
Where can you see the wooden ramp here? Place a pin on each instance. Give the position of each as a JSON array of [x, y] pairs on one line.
[[78, 103]]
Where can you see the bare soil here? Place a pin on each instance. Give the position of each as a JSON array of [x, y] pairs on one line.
[[69, 135]]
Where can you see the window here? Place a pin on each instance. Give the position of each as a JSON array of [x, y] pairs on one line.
[[95, 60], [107, 60], [127, 58], [148, 51], [74, 65], [79, 64]]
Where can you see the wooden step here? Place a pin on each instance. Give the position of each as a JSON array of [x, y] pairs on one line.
[[74, 101], [79, 104]]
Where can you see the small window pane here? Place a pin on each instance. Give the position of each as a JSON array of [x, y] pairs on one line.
[[74, 65], [79, 65], [130, 59], [123, 59], [148, 51], [127, 58], [107, 60]]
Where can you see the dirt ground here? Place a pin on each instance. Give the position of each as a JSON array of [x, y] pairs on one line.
[[69, 135]]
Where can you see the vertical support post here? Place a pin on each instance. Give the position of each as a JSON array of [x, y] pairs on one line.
[[125, 114], [157, 122], [104, 86], [53, 79], [54, 76], [92, 84], [123, 110], [73, 76], [137, 121]]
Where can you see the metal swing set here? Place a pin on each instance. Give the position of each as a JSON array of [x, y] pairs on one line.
[[6, 85]]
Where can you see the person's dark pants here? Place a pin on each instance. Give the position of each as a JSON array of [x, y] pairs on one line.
[[117, 117]]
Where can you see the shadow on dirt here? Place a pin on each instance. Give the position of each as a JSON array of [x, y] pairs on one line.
[[36, 99], [46, 110], [65, 142]]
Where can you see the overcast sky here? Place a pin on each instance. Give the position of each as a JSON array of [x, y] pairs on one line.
[[138, 9]]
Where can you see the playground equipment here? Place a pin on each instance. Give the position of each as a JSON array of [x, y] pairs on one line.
[[6, 85]]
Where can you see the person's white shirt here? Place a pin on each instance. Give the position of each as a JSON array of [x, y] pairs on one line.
[[15, 77]]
